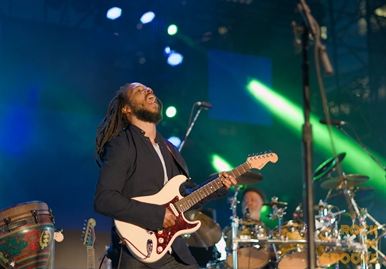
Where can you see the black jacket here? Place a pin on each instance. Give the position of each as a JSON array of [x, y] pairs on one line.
[[132, 168]]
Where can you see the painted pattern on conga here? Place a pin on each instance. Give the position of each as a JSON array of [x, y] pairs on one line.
[[26, 236]]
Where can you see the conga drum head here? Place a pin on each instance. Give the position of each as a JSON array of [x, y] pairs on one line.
[[26, 235]]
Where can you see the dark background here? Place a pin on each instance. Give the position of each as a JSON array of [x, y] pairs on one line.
[[62, 62]]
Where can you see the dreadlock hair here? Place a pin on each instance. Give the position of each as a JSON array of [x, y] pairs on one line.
[[112, 123]]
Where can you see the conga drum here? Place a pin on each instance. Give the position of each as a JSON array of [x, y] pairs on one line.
[[26, 236]]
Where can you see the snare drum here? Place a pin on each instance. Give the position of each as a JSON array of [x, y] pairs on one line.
[[26, 236], [291, 255], [251, 255]]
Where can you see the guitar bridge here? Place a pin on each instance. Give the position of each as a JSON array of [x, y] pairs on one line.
[[149, 247]]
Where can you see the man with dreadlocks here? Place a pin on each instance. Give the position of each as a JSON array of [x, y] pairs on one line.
[[138, 161]]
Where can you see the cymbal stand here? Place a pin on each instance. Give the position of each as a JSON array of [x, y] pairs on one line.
[[277, 213], [362, 230], [365, 215], [234, 225]]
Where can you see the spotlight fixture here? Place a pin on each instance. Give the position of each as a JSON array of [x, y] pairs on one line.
[[147, 17], [114, 13]]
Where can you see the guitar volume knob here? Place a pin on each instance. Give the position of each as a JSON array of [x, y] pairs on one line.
[[160, 240]]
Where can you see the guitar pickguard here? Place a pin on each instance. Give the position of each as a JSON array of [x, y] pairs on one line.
[[164, 236]]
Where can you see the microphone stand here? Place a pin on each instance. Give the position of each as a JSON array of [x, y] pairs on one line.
[[362, 146], [307, 154], [309, 26], [190, 128]]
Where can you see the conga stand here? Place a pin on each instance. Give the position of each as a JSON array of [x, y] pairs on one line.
[[9, 263]]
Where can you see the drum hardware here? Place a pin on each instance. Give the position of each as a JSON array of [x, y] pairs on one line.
[[298, 214], [250, 255], [327, 166], [249, 177], [234, 226], [52, 218], [361, 215], [345, 181], [6, 261], [356, 190], [277, 212]]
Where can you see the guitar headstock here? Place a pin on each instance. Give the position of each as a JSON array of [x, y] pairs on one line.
[[258, 161], [88, 234]]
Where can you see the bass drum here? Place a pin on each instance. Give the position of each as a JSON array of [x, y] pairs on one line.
[[291, 255], [252, 255], [26, 236]]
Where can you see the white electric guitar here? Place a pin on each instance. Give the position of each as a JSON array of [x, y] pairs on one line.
[[150, 246]]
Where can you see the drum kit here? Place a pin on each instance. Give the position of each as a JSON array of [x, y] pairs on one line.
[[249, 244]]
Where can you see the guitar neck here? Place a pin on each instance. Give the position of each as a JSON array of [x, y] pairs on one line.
[[187, 202], [90, 258]]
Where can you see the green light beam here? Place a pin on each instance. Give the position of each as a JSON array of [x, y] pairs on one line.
[[292, 116]]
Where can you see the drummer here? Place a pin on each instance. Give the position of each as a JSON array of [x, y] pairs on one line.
[[253, 199], [252, 202]]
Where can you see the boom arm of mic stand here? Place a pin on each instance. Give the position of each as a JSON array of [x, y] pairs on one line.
[[363, 147], [315, 32], [190, 128]]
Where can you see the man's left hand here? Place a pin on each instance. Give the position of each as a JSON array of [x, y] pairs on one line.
[[227, 179]]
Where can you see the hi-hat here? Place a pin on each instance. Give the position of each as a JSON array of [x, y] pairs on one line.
[[326, 167], [249, 178], [357, 191], [207, 235], [324, 206], [342, 182]]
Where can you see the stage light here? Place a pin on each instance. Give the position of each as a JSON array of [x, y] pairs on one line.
[[172, 29], [147, 17], [114, 13], [220, 164], [176, 141], [381, 11], [175, 58], [291, 116], [167, 51], [171, 111]]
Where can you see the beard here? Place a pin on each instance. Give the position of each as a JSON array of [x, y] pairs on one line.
[[146, 115]]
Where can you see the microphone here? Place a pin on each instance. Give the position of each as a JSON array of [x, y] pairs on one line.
[[205, 105], [247, 214], [334, 122]]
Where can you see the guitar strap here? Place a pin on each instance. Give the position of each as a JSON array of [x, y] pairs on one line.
[[177, 162]]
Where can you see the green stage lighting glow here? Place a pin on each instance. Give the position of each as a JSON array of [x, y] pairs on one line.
[[172, 29], [220, 164], [171, 111], [291, 115]]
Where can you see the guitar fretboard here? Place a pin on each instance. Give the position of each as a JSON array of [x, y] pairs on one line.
[[90, 258], [193, 198]]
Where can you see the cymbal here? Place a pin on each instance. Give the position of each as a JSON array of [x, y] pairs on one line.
[[357, 191], [318, 207], [338, 182], [275, 203], [327, 166], [207, 235], [249, 178]]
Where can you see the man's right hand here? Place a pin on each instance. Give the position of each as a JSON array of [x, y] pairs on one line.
[[169, 219]]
